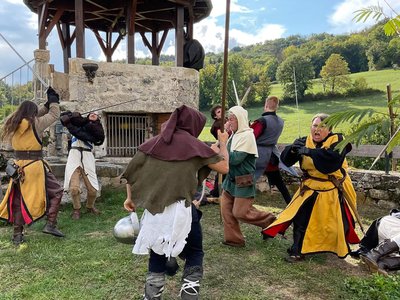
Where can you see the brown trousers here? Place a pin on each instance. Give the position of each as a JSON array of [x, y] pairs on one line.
[[75, 191], [235, 210]]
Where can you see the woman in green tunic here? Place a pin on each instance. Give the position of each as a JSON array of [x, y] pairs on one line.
[[239, 185]]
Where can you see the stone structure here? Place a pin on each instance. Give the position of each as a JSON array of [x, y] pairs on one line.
[[127, 88]]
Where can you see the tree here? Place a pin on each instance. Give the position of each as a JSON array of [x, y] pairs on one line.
[[335, 72], [377, 58], [209, 86], [302, 67], [262, 87], [375, 118]]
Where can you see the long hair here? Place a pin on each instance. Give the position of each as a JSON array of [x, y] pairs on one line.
[[27, 110]]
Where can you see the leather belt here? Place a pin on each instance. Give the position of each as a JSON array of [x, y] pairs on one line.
[[81, 149], [28, 155]]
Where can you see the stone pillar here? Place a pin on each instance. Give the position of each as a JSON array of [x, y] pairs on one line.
[[42, 58]]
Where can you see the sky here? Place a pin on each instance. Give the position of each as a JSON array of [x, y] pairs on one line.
[[251, 21]]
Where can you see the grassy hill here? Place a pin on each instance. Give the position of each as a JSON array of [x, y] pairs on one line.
[[297, 120]]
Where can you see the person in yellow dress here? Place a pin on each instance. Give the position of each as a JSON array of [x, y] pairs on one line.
[[323, 208], [36, 192]]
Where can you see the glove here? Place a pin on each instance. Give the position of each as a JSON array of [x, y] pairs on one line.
[[75, 114], [297, 144], [52, 97], [65, 117], [304, 151]]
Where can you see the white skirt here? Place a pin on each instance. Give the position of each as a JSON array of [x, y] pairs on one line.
[[164, 233]]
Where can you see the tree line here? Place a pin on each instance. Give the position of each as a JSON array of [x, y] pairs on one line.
[[326, 56]]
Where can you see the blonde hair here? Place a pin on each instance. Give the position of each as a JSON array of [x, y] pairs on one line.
[[272, 102]]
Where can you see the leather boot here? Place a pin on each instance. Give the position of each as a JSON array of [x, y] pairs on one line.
[[371, 258], [154, 286], [76, 214], [388, 263], [51, 225], [18, 236], [191, 283]]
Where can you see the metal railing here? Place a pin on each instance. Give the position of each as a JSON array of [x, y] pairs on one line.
[[16, 87]]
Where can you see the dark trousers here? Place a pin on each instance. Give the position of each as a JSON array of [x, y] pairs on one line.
[[275, 178], [192, 252]]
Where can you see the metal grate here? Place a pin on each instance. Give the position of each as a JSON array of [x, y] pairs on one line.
[[125, 133]]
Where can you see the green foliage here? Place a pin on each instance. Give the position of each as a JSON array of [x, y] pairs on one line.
[[392, 25], [304, 71], [334, 73], [376, 287]]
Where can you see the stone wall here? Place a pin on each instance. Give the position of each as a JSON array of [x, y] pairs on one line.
[[127, 88]]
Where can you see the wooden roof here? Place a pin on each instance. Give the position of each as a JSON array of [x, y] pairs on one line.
[[103, 15]]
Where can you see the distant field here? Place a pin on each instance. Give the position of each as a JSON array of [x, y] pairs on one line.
[[297, 122]]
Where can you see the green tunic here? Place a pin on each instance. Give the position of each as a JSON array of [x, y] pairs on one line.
[[240, 163], [158, 183]]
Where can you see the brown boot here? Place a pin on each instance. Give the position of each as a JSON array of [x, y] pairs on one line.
[[50, 228], [76, 214], [51, 225], [92, 210]]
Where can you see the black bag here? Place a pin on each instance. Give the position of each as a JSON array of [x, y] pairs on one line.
[[244, 180], [12, 169]]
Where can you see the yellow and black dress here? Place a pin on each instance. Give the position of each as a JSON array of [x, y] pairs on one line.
[[322, 208], [32, 186]]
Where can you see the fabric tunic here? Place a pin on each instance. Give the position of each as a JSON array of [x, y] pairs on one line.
[[331, 223], [266, 142], [179, 181], [240, 163], [33, 188], [167, 199], [84, 159]]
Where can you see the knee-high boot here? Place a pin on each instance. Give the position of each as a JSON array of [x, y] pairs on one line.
[[371, 258], [51, 225], [154, 286], [191, 283], [388, 263]]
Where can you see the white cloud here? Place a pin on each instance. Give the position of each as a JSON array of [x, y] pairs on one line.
[[16, 2], [219, 8], [342, 18], [212, 36]]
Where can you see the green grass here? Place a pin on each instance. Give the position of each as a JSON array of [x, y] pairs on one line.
[[298, 121], [90, 264]]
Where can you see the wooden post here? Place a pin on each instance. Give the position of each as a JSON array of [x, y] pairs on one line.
[[67, 45], [224, 78], [179, 39], [130, 23], [392, 119], [155, 59], [79, 29]]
